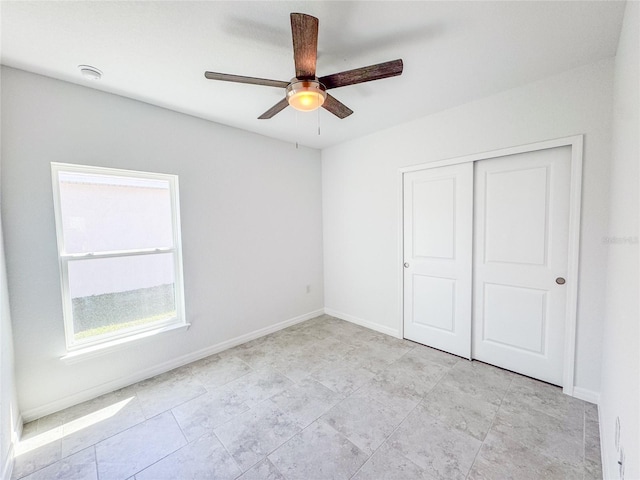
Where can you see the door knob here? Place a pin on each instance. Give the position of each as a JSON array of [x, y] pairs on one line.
[[406, 264], [560, 281]]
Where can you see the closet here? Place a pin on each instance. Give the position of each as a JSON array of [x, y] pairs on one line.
[[489, 255]]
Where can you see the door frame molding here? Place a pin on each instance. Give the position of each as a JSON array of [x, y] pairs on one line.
[[575, 199]]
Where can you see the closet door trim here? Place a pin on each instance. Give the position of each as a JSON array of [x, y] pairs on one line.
[[575, 195]]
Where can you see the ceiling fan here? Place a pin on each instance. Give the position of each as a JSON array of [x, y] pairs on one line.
[[306, 91]]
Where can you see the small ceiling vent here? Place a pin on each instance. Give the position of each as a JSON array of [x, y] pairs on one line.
[[92, 73]]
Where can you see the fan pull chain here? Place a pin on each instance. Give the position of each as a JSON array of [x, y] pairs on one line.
[[297, 127], [318, 110]]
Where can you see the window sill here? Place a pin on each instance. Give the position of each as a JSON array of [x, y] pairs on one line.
[[112, 346]]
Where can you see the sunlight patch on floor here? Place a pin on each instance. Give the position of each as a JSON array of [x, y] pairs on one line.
[[40, 439]]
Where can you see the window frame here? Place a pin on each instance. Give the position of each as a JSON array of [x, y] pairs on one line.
[[64, 258]]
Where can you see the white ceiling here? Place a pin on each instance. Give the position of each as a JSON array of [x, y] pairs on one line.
[[453, 52]]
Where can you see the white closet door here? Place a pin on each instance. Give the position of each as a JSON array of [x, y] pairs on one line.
[[520, 261], [438, 209]]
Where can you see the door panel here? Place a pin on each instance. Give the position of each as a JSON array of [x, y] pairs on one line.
[[520, 248], [433, 300], [515, 317], [438, 209], [433, 218], [516, 206]]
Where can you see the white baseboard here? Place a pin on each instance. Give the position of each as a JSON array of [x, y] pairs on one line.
[[586, 395], [364, 323], [7, 468], [91, 393], [16, 433], [609, 468]]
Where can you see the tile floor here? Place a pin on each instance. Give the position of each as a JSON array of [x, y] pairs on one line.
[[324, 399]]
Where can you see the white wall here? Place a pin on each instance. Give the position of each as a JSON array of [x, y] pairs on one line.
[[361, 197], [621, 357], [9, 412], [251, 229]]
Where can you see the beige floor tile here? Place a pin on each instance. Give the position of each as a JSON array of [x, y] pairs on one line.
[[527, 393], [364, 421], [264, 470], [37, 450], [502, 458], [479, 380], [553, 437], [318, 453], [93, 422], [216, 370], [463, 412], [79, 466], [306, 401], [343, 376], [322, 399], [162, 393], [202, 459], [442, 451], [388, 464], [251, 436], [257, 386], [202, 414], [138, 447]]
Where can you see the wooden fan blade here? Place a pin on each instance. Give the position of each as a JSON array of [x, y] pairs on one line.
[[336, 107], [278, 107], [363, 74], [304, 30], [240, 79]]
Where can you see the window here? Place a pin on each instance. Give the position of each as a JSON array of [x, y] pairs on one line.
[[119, 249]]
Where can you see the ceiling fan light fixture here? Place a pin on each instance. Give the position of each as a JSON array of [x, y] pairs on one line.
[[306, 95], [306, 91]]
